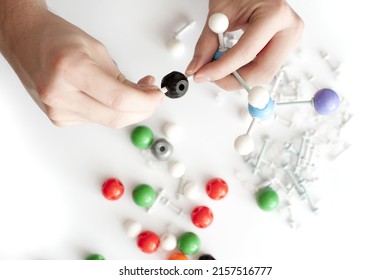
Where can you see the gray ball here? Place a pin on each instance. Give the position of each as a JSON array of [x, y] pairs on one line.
[[162, 149]]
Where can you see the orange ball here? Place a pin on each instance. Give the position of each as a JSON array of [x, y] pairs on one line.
[[178, 257]]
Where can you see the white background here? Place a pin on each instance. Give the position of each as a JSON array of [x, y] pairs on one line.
[[50, 201]]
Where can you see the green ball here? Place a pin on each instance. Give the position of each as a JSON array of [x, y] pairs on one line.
[[142, 137], [267, 199], [189, 243], [95, 257], [144, 195]]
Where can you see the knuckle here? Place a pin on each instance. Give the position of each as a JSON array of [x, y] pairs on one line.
[[116, 123], [47, 94], [58, 123], [299, 26], [99, 46], [53, 114], [66, 62], [118, 102]]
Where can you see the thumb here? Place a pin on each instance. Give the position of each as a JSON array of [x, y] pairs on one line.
[[145, 83], [204, 51], [147, 80]]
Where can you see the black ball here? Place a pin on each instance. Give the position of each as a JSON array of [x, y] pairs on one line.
[[176, 84], [206, 257]]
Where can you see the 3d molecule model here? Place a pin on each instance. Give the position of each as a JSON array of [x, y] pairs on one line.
[[175, 84], [148, 242], [113, 189], [144, 195], [216, 188], [175, 45], [176, 256], [285, 174], [95, 257], [202, 216], [267, 199], [188, 243], [261, 106]]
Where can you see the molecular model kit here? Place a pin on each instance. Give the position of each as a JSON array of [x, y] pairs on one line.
[[281, 170]]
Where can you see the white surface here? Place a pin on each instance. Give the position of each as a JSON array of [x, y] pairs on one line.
[[50, 201]]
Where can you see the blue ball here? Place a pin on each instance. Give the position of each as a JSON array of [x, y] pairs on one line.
[[262, 114], [218, 54], [326, 101]]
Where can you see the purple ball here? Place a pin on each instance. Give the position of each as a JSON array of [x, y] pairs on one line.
[[326, 101]]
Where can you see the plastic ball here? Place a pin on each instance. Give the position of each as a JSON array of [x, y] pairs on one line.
[[218, 23], [112, 189], [172, 131], [148, 242], [191, 190], [95, 257], [326, 101], [144, 195], [263, 114], [176, 168], [168, 241], [202, 216], [218, 54], [132, 228], [216, 188], [162, 149], [267, 199], [189, 243], [142, 137], [175, 47], [176, 256], [258, 97], [244, 144], [206, 257], [176, 84]]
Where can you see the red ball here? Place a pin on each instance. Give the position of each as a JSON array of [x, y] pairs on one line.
[[148, 242], [202, 216], [112, 189], [216, 188]]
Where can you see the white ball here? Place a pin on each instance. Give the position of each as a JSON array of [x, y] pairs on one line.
[[168, 241], [191, 190], [176, 47], [218, 23], [172, 131], [177, 169], [244, 144], [258, 97], [132, 228]]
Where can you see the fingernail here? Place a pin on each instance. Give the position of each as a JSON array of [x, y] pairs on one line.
[[201, 79], [190, 69]]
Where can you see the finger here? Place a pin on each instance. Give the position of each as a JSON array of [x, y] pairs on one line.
[[147, 80], [267, 63], [251, 42], [145, 84], [66, 123], [106, 89], [204, 51], [88, 109], [61, 117]]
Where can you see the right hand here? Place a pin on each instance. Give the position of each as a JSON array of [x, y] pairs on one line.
[[272, 29]]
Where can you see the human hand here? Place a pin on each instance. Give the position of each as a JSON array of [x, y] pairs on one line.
[[271, 30], [71, 76]]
